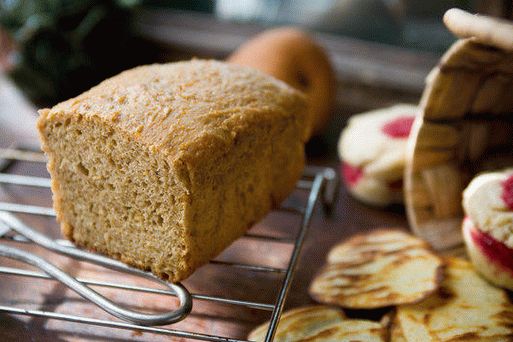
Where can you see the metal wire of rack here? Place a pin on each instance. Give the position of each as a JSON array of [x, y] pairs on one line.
[[320, 183]]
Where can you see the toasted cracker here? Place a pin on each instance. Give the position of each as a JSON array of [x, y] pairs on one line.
[[307, 321], [321, 323], [378, 269], [373, 245], [466, 308]]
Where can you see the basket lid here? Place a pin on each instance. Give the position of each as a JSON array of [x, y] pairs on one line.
[[465, 125]]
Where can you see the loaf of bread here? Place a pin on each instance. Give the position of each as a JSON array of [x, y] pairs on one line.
[[163, 166]]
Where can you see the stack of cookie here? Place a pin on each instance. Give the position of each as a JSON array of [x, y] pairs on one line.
[[373, 152]]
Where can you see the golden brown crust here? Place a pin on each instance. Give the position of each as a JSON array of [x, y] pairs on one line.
[[177, 106], [233, 138]]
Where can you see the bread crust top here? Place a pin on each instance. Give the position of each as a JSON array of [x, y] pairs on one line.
[[179, 108]]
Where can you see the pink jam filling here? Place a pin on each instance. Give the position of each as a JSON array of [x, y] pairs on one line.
[[351, 174], [492, 248], [507, 192], [398, 128]]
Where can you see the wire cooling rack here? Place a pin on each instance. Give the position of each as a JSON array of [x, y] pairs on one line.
[[317, 184]]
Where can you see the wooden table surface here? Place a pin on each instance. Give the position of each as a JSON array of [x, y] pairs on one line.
[[348, 217]]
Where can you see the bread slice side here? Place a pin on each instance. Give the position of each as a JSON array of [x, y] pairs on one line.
[[114, 195]]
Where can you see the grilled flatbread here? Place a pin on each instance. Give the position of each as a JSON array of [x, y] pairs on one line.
[[321, 323], [466, 308], [376, 270], [373, 245]]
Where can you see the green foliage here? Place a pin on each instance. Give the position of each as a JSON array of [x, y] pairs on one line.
[[65, 46]]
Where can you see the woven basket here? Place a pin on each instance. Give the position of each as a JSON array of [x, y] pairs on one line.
[[465, 126]]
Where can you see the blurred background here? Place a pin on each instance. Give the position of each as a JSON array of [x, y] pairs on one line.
[[381, 49]]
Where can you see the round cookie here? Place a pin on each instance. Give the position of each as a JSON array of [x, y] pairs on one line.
[[292, 56], [488, 227], [373, 149]]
